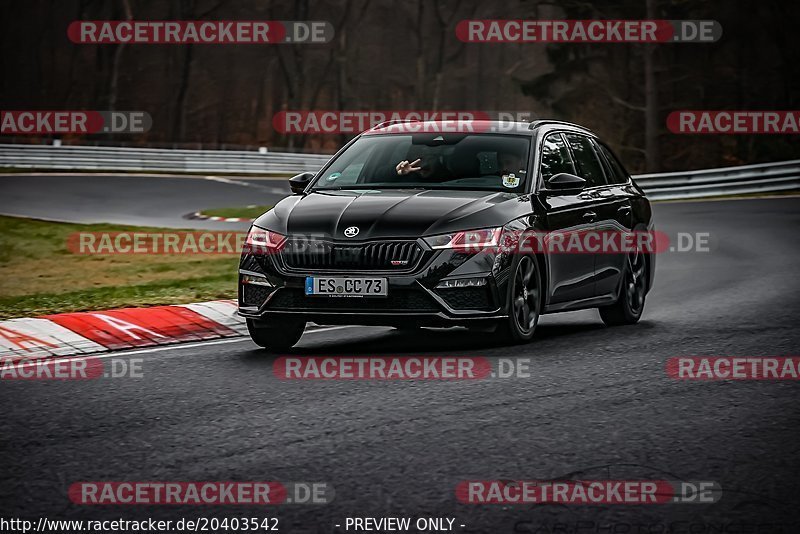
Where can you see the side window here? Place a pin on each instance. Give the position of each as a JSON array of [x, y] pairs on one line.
[[354, 167], [350, 166], [350, 174], [555, 157], [618, 175], [589, 167]]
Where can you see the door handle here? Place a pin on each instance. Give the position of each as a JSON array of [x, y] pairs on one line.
[[590, 215], [624, 210]]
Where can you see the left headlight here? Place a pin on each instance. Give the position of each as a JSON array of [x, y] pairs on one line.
[[466, 240]]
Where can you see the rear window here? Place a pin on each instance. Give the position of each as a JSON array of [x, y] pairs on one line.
[[589, 167], [617, 174]]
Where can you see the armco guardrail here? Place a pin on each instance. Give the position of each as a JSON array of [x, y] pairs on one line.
[[156, 159], [762, 178]]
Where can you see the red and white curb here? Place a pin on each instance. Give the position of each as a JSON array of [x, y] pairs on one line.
[[71, 334], [199, 216]]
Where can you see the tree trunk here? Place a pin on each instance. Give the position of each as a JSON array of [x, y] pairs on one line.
[[420, 92], [113, 90], [651, 113]]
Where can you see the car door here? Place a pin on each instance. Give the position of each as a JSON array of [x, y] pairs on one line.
[[570, 274], [601, 207], [616, 216]]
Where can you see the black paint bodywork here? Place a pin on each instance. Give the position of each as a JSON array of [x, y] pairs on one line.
[[571, 281]]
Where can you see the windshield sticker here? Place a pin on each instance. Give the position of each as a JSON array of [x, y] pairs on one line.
[[510, 180]]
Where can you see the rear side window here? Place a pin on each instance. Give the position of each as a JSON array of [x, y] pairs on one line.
[[589, 167], [617, 174], [555, 157]]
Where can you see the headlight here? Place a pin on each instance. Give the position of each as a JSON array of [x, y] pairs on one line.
[[467, 240], [261, 241]]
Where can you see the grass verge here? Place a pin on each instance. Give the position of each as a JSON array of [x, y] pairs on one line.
[[39, 275]]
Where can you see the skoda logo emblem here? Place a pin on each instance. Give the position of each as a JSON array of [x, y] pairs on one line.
[[351, 231]]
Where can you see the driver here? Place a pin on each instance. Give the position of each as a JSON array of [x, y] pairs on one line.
[[404, 167], [427, 165], [509, 162]]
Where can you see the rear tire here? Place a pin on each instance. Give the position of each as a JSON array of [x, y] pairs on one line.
[[275, 335], [524, 302], [630, 303]]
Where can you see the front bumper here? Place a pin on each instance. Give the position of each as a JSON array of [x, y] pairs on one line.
[[413, 296]]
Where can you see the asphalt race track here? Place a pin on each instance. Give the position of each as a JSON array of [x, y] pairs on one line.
[[598, 405], [133, 199]]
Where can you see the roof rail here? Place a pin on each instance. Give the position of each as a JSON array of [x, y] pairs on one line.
[[536, 124], [384, 124]]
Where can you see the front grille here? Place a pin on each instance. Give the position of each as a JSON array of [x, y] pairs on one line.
[[379, 256], [466, 298], [398, 300], [254, 295]]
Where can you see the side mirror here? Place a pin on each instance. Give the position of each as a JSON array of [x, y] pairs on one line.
[[299, 182], [565, 183]]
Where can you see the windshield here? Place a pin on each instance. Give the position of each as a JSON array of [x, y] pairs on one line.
[[431, 161]]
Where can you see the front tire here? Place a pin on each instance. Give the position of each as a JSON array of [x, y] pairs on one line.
[[524, 302], [275, 335], [630, 303]]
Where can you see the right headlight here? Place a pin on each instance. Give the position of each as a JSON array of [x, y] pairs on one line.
[[466, 240]]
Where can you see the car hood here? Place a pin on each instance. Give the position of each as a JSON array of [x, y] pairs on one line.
[[391, 213]]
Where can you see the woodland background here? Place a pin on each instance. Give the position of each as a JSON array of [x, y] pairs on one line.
[[404, 55]]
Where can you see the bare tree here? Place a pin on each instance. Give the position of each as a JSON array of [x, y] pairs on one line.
[[113, 89], [651, 109]]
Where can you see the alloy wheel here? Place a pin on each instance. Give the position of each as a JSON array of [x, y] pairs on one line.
[[525, 304], [635, 282]]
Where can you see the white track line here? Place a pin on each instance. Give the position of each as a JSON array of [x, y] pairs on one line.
[[126, 353]]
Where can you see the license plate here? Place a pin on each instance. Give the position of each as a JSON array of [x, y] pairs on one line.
[[346, 287]]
